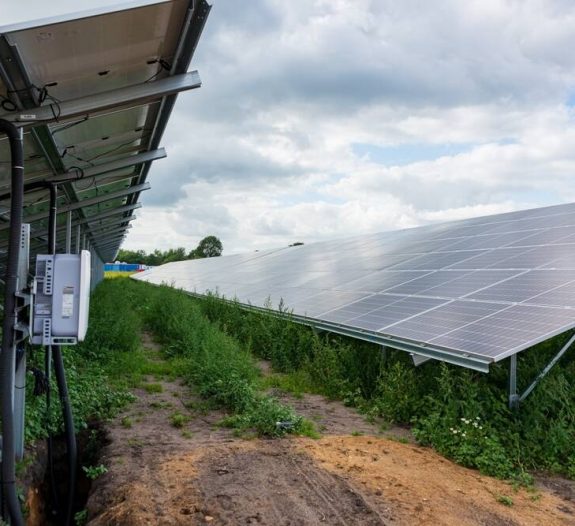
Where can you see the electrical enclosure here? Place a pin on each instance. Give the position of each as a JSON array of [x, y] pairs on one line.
[[61, 298]]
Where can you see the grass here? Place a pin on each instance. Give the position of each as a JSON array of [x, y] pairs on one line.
[[214, 363], [126, 422], [296, 383], [213, 345], [178, 420], [99, 370], [505, 500], [153, 388], [461, 413], [93, 472], [160, 405]]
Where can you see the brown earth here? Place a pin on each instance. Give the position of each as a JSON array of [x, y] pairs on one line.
[[203, 474]]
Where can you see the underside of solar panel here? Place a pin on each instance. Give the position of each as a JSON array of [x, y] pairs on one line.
[[469, 292], [93, 93]]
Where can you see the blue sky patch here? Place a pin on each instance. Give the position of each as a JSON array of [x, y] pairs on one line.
[[403, 154]]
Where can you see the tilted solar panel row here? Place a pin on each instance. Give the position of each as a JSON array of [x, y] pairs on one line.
[[479, 289]]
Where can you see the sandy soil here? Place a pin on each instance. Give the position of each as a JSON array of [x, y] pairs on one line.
[[202, 474]]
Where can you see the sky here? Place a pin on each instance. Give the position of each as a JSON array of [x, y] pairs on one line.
[[320, 119]]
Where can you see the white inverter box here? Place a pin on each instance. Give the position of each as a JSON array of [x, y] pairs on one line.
[[61, 298]]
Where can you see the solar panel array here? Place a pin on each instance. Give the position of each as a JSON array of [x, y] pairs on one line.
[[100, 87], [483, 288]]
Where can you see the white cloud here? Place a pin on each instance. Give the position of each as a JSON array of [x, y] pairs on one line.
[[263, 154]]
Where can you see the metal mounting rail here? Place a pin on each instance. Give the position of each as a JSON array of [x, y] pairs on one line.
[[431, 352]]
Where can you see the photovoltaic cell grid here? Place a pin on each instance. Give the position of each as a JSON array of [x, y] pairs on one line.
[[485, 287]]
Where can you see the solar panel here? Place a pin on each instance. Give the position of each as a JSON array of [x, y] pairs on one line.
[[111, 77], [470, 292]]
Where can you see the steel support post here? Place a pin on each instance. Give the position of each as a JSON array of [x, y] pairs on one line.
[[78, 238], [549, 366], [69, 232], [513, 396]]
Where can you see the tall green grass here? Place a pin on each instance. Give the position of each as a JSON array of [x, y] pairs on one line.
[[461, 413], [214, 362]]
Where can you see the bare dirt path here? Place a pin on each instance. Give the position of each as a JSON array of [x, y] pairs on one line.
[[200, 473]]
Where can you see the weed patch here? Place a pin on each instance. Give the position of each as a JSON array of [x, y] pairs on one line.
[[153, 388], [439, 401], [218, 367]]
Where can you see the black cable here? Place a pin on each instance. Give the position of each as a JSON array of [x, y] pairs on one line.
[[40, 381], [67, 414], [70, 125], [71, 446], [48, 358], [164, 66], [8, 355], [7, 104], [43, 95], [113, 149]]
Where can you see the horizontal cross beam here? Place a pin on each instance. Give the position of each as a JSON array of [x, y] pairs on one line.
[[128, 97], [86, 202]]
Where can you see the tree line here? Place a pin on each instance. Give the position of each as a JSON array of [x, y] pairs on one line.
[[208, 247]]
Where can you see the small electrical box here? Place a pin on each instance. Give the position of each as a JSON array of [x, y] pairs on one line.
[[61, 298]]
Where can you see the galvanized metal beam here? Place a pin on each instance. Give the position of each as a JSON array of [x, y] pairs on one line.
[[513, 396], [195, 21], [85, 203], [110, 213], [101, 169], [69, 232], [548, 368], [97, 222], [470, 362], [112, 224], [106, 102], [109, 233]]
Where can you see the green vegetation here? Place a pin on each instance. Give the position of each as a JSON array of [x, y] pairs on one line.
[[81, 518], [99, 370], [127, 422], [213, 363], [93, 472], [505, 500], [178, 420], [111, 361], [461, 413], [212, 345], [153, 388], [208, 247]]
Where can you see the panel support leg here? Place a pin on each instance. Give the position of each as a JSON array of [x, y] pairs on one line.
[[384, 353], [549, 366], [69, 232], [513, 396], [78, 239]]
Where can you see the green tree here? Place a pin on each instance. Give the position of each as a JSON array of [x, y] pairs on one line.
[[132, 256], [175, 254], [209, 247]]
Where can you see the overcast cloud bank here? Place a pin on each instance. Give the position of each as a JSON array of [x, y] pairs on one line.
[[320, 119]]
